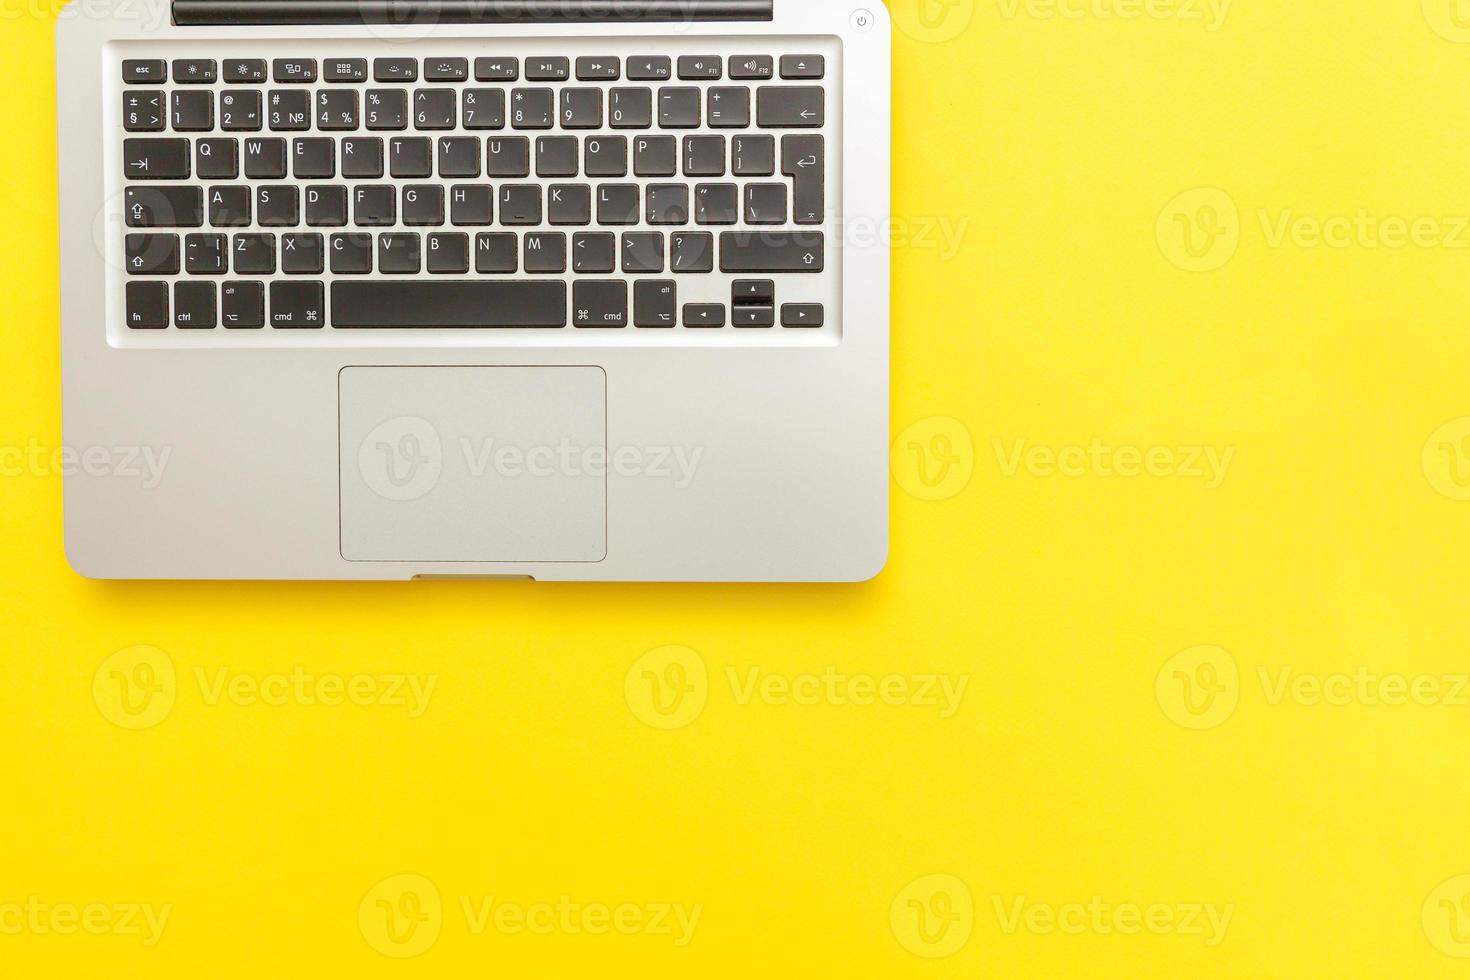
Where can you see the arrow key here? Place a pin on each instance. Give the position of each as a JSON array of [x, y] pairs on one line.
[[802, 315]]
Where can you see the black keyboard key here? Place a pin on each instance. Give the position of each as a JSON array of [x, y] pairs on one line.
[[434, 108], [326, 207], [450, 303], [803, 159], [692, 251], [802, 315], [655, 156], [753, 292], [192, 112], [448, 253], [230, 207], [772, 251], [245, 71], [532, 108], [423, 205], [395, 70], [497, 69], [747, 315], [649, 69], [600, 303], [716, 204], [594, 252], [496, 252], [138, 71], [362, 157], [411, 156], [265, 159], [352, 254], [483, 108], [459, 156], [643, 251], [446, 69], [314, 158], [471, 204], [545, 252], [802, 66], [147, 305], [655, 303], [290, 109], [206, 255], [757, 66], [790, 106], [163, 207], [194, 306], [508, 156], [667, 204], [617, 204], [195, 71], [556, 156], [217, 158], [728, 107], [597, 69], [255, 255], [581, 108], [387, 108], [345, 70], [241, 111], [753, 155], [336, 110], [606, 156], [548, 69], [765, 204], [569, 204], [630, 108], [278, 207], [302, 255], [704, 156], [375, 206], [293, 70], [242, 305], [152, 255], [520, 204], [693, 66], [678, 108], [398, 253], [143, 112], [704, 314], [298, 305], [155, 159]]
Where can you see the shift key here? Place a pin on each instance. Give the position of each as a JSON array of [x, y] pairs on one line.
[[771, 251], [155, 159]]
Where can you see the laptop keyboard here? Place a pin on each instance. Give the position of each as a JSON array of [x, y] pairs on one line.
[[626, 190]]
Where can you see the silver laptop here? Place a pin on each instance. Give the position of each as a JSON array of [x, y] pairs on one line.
[[565, 290]]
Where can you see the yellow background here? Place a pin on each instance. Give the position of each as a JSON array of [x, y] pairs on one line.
[[1053, 147]]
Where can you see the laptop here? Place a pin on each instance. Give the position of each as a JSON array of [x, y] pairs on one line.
[[570, 290]]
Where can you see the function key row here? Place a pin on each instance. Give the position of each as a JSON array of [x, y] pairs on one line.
[[249, 71]]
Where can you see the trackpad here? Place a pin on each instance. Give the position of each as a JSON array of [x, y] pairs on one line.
[[480, 464]]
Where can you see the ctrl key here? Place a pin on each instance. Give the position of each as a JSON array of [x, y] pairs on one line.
[[147, 305], [298, 305]]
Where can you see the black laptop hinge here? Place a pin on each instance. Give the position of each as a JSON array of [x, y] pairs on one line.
[[191, 13]]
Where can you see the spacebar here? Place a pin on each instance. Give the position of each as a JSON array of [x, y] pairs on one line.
[[464, 303]]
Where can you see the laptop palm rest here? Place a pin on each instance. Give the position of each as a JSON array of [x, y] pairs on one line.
[[473, 464]]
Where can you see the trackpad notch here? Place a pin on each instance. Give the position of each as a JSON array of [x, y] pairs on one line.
[[473, 464]]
